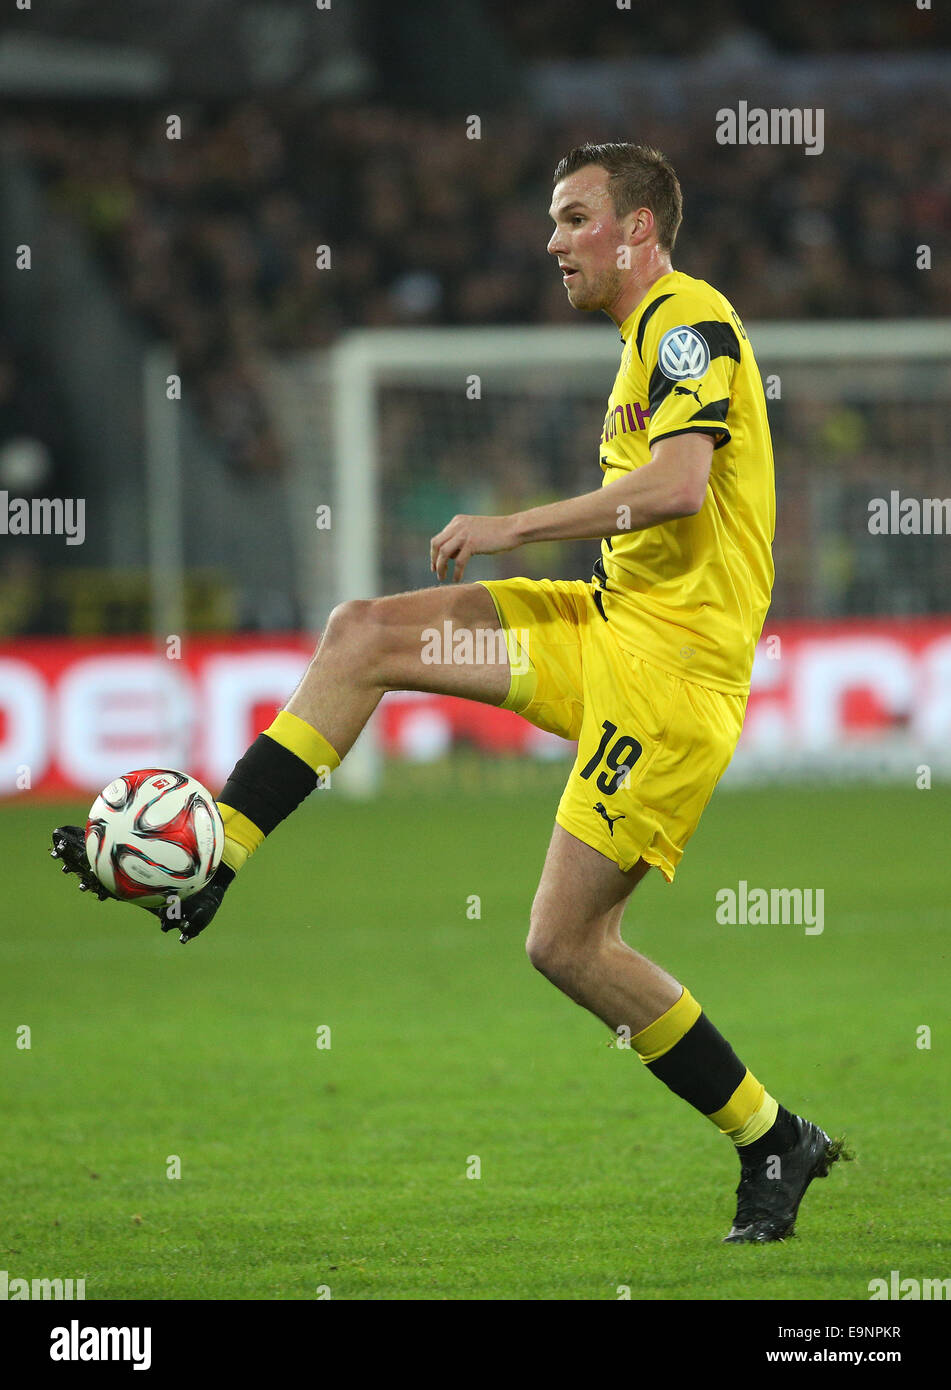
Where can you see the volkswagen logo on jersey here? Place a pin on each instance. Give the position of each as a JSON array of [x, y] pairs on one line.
[[683, 354]]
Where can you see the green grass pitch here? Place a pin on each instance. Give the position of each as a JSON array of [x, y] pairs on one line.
[[347, 1168]]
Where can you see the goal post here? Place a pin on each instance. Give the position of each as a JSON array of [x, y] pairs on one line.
[[421, 418], [365, 362]]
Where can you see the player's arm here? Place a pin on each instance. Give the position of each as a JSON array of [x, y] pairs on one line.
[[672, 485]]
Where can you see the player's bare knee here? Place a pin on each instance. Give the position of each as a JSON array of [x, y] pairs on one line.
[[548, 953], [377, 639], [348, 617], [352, 626]]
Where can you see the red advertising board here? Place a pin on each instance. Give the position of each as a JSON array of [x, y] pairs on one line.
[[73, 714]]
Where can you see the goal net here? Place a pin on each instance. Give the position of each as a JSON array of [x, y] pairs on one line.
[[397, 430]]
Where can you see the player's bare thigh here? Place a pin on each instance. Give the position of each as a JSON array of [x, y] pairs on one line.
[[581, 895], [444, 640], [575, 936]]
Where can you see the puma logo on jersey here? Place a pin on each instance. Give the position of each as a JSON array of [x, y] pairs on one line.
[[602, 811], [686, 391]]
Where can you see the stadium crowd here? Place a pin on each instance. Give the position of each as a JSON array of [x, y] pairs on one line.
[[275, 225], [566, 29], [264, 228]]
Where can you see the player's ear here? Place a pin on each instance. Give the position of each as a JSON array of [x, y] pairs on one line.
[[642, 225]]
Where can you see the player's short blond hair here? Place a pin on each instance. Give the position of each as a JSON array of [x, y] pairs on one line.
[[638, 177]]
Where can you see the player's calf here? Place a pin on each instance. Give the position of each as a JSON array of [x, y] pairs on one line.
[[369, 646], [575, 941]]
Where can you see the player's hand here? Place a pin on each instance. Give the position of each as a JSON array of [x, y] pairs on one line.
[[470, 535]]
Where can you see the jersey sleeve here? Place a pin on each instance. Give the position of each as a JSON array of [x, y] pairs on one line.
[[691, 355]]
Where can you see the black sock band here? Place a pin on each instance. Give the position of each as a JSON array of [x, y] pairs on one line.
[[701, 1068], [268, 783]]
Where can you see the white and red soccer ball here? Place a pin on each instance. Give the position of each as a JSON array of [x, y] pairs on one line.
[[152, 833]]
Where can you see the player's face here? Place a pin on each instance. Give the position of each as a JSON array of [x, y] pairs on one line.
[[586, 239]]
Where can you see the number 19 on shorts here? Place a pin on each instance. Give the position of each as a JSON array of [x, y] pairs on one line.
[[619, 757]]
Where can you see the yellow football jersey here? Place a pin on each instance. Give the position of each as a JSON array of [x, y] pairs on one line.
[[691, 595]]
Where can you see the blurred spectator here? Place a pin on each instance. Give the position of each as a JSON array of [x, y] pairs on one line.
[[26, 458], [565, 29], [268, 229], [275, 227]]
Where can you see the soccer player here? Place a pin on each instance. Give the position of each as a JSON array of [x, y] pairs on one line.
[[647, 665]]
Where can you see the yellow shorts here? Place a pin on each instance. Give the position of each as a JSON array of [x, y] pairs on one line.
[[651, 746]]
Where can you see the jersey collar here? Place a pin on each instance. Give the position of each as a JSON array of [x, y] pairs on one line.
[[630, 323]]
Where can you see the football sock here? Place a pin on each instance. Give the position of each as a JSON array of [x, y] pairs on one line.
[[684, 1050], [281, 768]]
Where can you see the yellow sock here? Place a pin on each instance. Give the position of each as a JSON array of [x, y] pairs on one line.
[[749, 1112], [289, 731], [301, 738], [242, 837], [684, 1050]]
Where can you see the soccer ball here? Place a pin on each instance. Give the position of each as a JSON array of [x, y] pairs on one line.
[[152, 833]]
